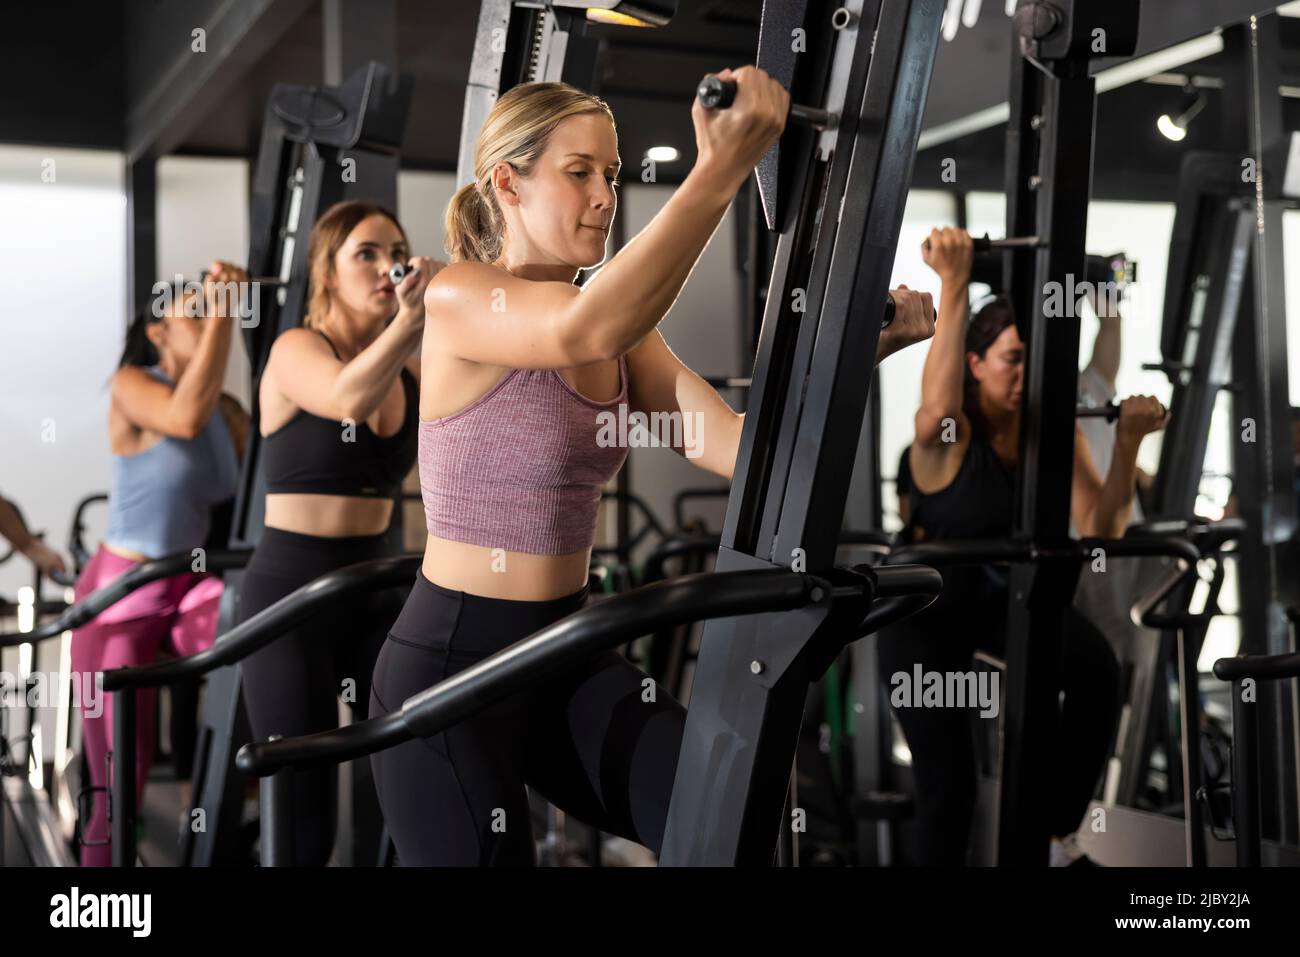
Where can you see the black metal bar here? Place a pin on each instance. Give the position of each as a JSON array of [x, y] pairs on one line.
[[1189, 704], [276, 819], [121, 809], [142, 231], [1049, 177], [1245, 773], [271, 622], [1269, 573], [142, 574], [354, 33], [1259, 667], [560, 645]]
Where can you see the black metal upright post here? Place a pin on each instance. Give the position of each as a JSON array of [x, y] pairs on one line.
[[308, 135], [810, 385], [142, 230], [1049, 158], [1263, 470]]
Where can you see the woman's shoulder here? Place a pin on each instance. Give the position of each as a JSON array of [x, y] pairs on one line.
[[468, 273], [300, 339]]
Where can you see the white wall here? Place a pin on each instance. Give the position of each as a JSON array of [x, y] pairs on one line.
[[62, 311], [900, 375], [422, 200], [202, 215], [703, 330]]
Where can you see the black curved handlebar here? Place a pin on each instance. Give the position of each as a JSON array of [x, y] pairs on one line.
[[1007, 551], [1260, 667], [594, 628], [269, 623], [98, 601], [76, 544]]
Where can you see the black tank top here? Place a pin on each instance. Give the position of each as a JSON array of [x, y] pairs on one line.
[[320, 456], [978, 503]]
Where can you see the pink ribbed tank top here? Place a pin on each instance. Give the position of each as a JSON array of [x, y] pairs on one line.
[[521, 468]]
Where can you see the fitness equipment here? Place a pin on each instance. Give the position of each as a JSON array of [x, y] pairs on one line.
[[308, 134], [988, 265], [1246, 672], [874, 72], [232, 647], [1224, 328], [395, 274], [94, 604], [718, 94]]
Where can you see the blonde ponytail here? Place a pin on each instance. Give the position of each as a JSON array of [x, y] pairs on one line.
[[474, 226], [516, 132]]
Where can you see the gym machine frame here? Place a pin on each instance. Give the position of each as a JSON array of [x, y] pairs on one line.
[[810, 385], [1049, 182], [308, 135]]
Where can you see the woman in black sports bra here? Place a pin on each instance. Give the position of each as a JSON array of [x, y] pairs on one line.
[[338, 412], [961, 477]]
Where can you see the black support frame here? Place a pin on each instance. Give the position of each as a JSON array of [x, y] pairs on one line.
[[810, 385]]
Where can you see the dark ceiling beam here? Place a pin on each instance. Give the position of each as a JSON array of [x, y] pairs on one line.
[[972, 71], [176, 86]]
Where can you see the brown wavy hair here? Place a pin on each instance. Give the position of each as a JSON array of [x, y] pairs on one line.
[[327, 238]]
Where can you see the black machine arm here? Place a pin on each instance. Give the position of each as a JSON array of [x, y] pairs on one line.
[[607, 624], [595, 628], [95, 603], [264, 627]]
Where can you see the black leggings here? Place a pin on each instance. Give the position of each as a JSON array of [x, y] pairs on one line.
[[292, 686], [943, 638], [600, 743]]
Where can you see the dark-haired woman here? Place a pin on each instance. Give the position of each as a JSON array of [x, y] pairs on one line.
[[338, 401], [962, 469], [176, 442]]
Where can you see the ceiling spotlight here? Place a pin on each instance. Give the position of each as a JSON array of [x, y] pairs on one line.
[[1175, 127], [663, 154]]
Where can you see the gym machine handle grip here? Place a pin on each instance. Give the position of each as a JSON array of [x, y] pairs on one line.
[[715, 93], [76, 615], [982, 244]]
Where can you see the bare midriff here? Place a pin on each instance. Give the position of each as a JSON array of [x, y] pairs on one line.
[[497, 573], [328, 516]]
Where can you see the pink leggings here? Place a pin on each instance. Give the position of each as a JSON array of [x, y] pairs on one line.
[[178, 614]]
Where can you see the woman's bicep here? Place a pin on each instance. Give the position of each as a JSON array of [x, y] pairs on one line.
[[237, 422], [1085, 487], [150, 405], [480, 313]]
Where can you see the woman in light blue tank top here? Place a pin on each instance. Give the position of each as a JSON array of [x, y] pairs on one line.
[[176, 441]]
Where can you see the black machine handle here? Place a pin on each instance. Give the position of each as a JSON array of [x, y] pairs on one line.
[[1259, 667], [901, 591], [76, 543], [1005, 551], [715, 93], [95, 603], [597, 627], [587, 631], [1210, 539], [269, 623]]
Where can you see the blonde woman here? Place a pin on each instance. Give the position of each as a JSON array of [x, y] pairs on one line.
[[523, 369]]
